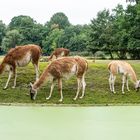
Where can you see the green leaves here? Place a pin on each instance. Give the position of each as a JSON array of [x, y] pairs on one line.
[[113, 33], [2, 31], [51, 41], [116, 33], [58, 20], [11, 39]]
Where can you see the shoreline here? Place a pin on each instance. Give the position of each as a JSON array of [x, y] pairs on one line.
[[66, 105]]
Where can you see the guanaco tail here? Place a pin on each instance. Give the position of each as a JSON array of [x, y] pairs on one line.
[[124, 68], [20, 56], [61, 68]]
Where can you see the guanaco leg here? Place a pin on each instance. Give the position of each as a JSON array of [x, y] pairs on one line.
[[78, 87], [9, 77], [15, 78], [51, 90], [83, 86], [112, 82], [60, 89]]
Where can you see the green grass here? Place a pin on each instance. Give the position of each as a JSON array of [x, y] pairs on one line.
[[97, 89]]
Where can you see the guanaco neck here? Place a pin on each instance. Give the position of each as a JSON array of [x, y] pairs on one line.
[[50, 57], [133, 76], [41, 80]]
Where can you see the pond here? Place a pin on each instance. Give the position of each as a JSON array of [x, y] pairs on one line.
[[69, 123]]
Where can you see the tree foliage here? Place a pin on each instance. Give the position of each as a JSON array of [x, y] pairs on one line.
[[137, 1], [114, 33], [51, 41], [117, 32], [58, 20], [74, 38], [12, 38], [2, 31], [28, 28]]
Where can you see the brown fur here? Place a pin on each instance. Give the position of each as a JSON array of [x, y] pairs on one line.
[[128, 70], [1, 68], [124, 68], [59, 52], [18, 53], [61, 68]]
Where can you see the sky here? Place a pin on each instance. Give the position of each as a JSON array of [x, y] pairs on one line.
[[77, 11]]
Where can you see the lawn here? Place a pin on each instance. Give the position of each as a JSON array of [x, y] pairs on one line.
[[97, 89]]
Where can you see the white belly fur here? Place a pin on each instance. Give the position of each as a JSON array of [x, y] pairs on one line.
[[72, 72], [121, 70], [24, 61]]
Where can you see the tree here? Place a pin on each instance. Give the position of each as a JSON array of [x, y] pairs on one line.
[[58, 20], [38, 34], [30, 30], [137, 1], [2, 31], [101, 34], [11, 39], [74, 38], [133, 20], [120, 32], [117, 33], [51, 41]]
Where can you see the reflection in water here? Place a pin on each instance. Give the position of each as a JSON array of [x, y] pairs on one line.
[[69, 123]]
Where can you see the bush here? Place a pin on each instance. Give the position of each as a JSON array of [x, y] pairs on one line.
[[100, 55], [85, 53]]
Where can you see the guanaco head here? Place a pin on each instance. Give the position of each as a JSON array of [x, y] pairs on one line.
[[33, 92], [137, 85]]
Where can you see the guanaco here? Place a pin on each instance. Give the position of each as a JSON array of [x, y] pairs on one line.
[[124, 68], [20, 56], [59, 52], [61, 68]]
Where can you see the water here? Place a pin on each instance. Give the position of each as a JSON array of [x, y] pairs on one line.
[[69, 123]]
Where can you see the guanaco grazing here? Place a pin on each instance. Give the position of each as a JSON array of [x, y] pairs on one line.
[[20, 56], [124, 68], [60, 68], [59, 52]]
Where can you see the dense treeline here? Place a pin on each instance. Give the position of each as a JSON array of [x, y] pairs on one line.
[[117, 33], [113, 34]]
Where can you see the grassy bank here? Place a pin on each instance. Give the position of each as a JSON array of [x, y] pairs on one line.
[[97, 90]]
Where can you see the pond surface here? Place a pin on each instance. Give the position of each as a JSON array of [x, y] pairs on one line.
[[70, 123]]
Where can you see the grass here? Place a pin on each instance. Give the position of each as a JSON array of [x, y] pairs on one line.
[[97, 90]]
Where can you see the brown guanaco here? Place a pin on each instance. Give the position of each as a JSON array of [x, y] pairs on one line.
[[20, 56], [61, 68]]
